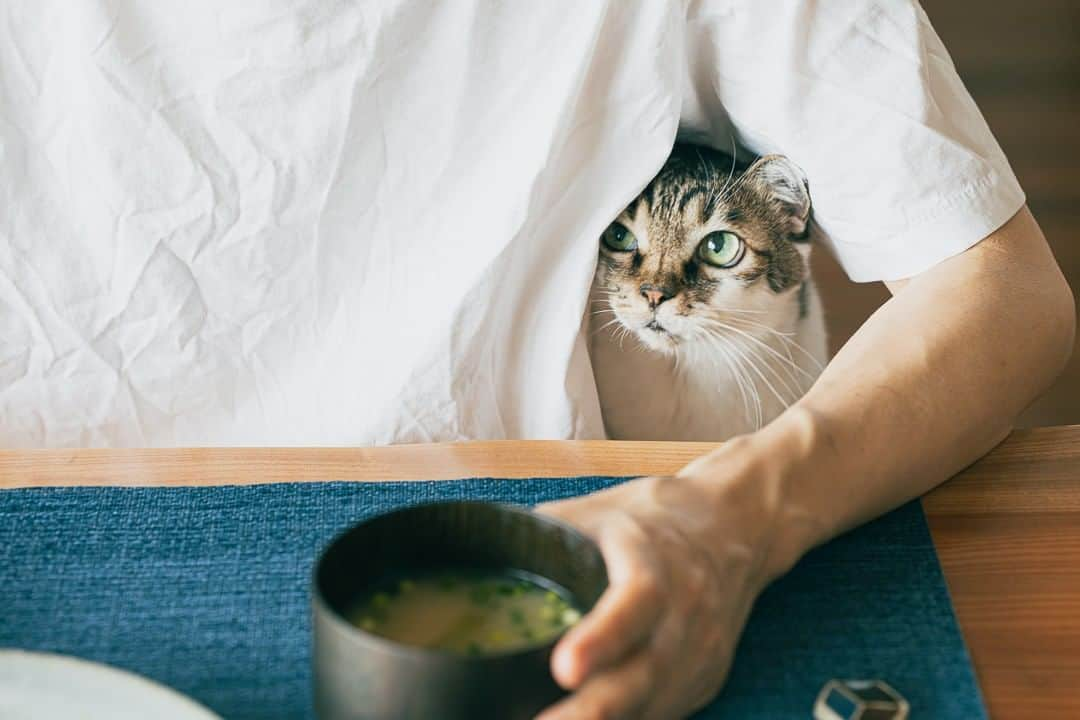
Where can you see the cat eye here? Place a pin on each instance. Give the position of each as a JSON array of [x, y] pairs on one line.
[[722, 249], [618, 238]]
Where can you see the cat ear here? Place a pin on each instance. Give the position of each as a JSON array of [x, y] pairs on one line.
[[784, 184]]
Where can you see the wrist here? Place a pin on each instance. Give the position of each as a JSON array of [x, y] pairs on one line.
[[761, 487], [798, 451]]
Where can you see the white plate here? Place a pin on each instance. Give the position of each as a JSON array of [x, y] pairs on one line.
[[44, 686]]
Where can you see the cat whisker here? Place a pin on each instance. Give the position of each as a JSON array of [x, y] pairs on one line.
[[788, 361], [719, 196], [741, 363], [731, 188], [787, 338], [796, 392], [739, 311], [606, 325], [745, 352], [755, 361], [755, 323], [785, 343], [718, 344], [750, 391], [753, 366]]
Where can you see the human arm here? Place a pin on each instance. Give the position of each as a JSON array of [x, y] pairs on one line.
[[934, 379]]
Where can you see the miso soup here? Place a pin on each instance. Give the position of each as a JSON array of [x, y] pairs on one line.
[[466, 611]]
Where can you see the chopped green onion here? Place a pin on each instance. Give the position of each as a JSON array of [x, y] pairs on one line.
[[480, 594]]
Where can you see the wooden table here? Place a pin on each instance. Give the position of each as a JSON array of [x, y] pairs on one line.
[[1007, 529]]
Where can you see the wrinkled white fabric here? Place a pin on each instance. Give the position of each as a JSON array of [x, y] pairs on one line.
[[271, 222]]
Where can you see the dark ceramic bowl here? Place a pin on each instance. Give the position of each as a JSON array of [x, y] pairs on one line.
[[362, 676]]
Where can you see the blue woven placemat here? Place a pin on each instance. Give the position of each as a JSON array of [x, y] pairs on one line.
[[206, 590]]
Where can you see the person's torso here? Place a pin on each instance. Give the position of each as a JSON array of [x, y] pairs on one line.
[[323, 224]]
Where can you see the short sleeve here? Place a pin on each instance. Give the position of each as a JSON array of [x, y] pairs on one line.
[[903, 169]]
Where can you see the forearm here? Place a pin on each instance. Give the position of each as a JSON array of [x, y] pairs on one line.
[[933, 380]]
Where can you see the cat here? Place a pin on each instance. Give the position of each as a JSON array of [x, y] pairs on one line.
[[705, 322]]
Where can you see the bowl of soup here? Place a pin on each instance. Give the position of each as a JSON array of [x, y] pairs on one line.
[[447, 610]]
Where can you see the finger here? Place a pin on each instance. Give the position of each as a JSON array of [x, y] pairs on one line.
[[710, 634], [683, 699], [618, 693], [687, 641], [621, 620]]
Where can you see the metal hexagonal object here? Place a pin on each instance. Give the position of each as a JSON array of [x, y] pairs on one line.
[[860, 700]]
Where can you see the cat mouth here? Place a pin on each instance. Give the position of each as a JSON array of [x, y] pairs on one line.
[[657, 327]]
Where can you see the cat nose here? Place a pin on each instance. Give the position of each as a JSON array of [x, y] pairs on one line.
[[655, 295]]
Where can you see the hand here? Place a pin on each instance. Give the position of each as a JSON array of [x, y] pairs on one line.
[[683, 574]]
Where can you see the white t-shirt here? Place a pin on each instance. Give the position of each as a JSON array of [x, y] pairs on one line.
[[330, 223]]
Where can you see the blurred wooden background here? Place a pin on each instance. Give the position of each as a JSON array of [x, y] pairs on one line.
[[1021, 62]]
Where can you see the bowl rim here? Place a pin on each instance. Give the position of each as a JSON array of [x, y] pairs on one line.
[[357, 634]]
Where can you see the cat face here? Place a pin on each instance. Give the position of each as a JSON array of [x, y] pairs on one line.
[[707, 243]]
